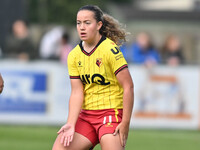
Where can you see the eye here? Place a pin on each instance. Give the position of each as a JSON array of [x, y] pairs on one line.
[[87, 22], [78, 23]]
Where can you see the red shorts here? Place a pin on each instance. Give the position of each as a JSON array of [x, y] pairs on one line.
[[93, 124]]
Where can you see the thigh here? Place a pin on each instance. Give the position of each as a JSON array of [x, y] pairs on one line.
[[79, 142], [84, 128], [109, 141]]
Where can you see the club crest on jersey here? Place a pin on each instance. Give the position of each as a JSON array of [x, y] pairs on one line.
[[99, 62]]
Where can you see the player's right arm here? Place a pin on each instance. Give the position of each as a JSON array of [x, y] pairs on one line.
[[76, 100], [75, 103]]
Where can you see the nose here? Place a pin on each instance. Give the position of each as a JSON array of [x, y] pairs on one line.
[[82, 26]]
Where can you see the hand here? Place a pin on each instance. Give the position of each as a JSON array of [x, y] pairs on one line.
[[1, 84], [122, 129], [68, 133]]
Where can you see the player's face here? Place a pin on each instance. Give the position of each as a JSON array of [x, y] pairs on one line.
[[87, 26]]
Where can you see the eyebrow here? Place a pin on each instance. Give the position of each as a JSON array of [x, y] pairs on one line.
[[84, 20]]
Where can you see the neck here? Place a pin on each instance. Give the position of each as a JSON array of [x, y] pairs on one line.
[[89, 45]]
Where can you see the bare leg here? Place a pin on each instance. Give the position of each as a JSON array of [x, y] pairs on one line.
[[109, 141], [79, 143]]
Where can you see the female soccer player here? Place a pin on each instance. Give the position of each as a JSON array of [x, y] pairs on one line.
[[101, 99], [1, 84]]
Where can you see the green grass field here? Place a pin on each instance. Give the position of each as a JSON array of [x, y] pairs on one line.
[[42, 138]]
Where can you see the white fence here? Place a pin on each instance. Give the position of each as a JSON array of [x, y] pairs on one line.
[[38, 93]]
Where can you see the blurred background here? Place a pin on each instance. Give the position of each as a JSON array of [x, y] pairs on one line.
[[162, 50]]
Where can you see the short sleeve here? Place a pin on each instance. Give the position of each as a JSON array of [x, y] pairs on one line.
[[117, 60], [72, 68]]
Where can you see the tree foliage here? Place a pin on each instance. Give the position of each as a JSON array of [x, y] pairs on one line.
[[58, 11]]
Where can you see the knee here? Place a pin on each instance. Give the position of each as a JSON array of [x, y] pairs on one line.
[[57, 145]]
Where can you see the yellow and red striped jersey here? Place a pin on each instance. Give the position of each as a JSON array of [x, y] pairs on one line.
[[97, 71]]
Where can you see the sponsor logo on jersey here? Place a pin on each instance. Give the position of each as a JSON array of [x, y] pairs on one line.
[[80, 64], [95, 78]]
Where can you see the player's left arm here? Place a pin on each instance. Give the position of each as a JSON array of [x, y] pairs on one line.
[[124, 78]]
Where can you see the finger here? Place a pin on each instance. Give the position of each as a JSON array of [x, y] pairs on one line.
[[121, 139], [124, 141], [66, 141], [116, 131], [62, 139], [61, 130], [71, 138]]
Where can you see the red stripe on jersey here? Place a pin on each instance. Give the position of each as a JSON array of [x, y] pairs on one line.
[[74, 77], [85, 52], [92, 51], [88, 54], [121, 68]]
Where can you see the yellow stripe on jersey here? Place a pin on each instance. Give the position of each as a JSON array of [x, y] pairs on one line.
[[97, 71]]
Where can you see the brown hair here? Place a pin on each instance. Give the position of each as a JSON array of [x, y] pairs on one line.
[[111, 28]]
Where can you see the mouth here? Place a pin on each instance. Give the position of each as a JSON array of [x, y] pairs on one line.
[[83, 34]]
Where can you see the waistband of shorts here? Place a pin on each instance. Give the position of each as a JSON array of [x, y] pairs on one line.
[[101, 112]]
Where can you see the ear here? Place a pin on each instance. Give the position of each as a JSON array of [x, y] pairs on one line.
[[99, 25]]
